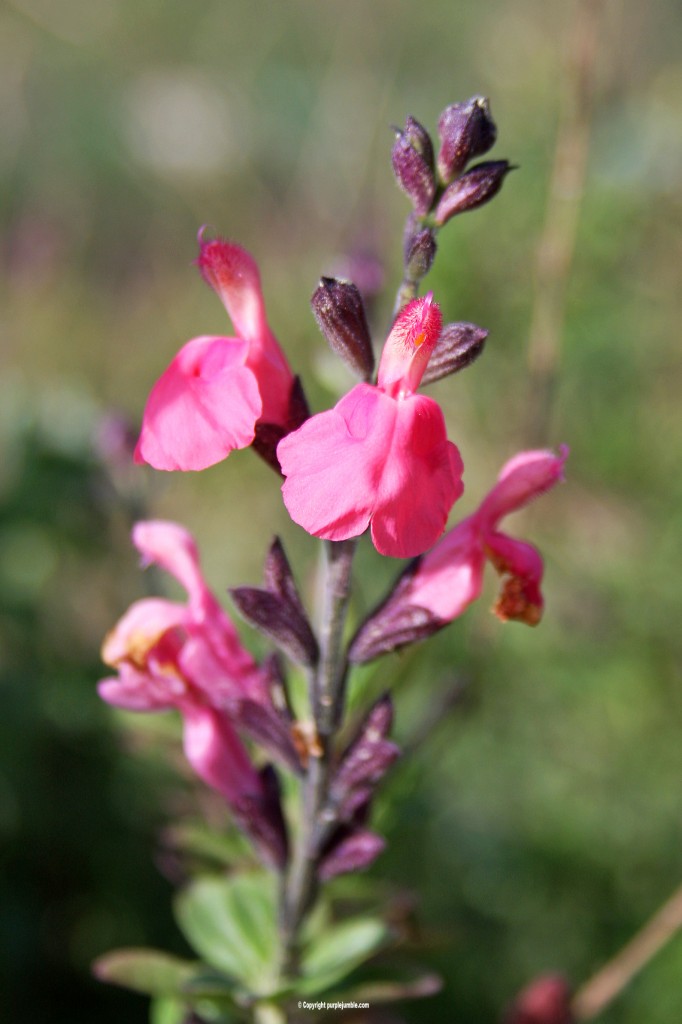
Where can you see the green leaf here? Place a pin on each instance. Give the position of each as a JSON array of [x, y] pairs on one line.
[[339, 951], [167, 1011], [208, 985], [195, 839], [390, 991], [145, 970], [232, 924]]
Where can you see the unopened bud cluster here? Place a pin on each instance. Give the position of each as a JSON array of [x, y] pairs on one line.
[[440, 187]]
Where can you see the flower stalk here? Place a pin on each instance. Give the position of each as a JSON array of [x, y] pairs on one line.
[[379, 462]]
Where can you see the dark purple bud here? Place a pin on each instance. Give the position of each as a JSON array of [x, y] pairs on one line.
[[420, 140], [340, 314], [278, 577], [547, 1000], [355, 805], [368, 763], [393, 624], [278, 620], [352, 853], [459, 345], [412, 163], [466, 131], [419, 254], [278, 611], [369, 755], [269, 730], [261, 818], [382, 635], [268, 435], [473, 189]]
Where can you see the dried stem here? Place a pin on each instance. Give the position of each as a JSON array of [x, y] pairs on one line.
[[327, 701], [556, 247], [600, 990]]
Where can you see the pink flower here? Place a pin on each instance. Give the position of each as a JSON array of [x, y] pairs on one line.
[[217, 389], [441, 584], [380, 457], [186, 656]]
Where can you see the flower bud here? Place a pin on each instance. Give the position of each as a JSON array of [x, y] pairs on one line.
[[466, 131], [473, 189], [270, 730], [412, 158], [260, 816], [419, 253], [277, 611], [547, 1000], [369, 755], [393, 624], [340, 314], [420, 140], [458, 346], [352, 853]]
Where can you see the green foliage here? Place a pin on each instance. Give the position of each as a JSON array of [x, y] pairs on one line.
[[232, 923], [145, 970], [333, 954]]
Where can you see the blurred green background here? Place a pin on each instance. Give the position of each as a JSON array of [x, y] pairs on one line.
[[541, 824]]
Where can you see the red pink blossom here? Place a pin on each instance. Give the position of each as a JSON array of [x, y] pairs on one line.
[[217, 389], [380, 457]]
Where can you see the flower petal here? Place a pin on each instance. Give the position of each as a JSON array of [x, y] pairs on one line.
[[140, 629], [141, 691], [420, 482], [233, 274], [333, 464], [213, 650], [171, 546], [449, 577], [216, 753], [201, 408], [409, 346], [521, 479], [520, 597]]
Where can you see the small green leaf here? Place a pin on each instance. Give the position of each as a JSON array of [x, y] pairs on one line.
[[232, 924], [195, 839], [339, 951], [389, 991], [167, 1011], [208, 985], [144, 970]]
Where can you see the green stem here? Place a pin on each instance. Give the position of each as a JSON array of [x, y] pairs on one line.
[[329, 684], [327, 702], [407, 291], [268, 1013]]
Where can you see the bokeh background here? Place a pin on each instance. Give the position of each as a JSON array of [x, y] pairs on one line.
[[540, 824]]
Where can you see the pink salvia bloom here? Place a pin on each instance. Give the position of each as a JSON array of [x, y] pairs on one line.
[[233, 274], [216, 389], [450, 577], [186, 656], [380, 457]]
